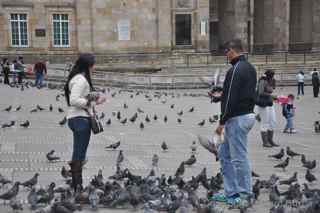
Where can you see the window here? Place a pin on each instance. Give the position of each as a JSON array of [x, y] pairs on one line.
[[183, 29], [60, 30], [19, 30]]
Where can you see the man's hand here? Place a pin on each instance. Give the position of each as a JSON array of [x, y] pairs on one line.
[[219, 130]]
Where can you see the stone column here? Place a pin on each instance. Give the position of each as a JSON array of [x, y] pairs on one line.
[[241, 22], [203, 43], [281, 11], [84, 25], [316, 25], [164, 25]]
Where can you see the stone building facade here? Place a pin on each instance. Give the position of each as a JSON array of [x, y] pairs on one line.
[[154, 26]]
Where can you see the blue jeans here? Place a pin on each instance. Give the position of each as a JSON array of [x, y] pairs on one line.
[[300, 88], [233, 156], [289, 124], [39, 79], [81, 129]]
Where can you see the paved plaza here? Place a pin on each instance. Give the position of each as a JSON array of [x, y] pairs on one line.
[[22, 151]]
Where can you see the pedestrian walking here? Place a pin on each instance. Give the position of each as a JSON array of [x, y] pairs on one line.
[[237, 119], [79, 98], [300, 79], [19, 68], [13, 71], [315, 82], [40, 71], [266, 110], [5, 70]]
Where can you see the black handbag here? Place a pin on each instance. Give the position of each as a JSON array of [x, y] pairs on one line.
[[264, 100], [96, 125]]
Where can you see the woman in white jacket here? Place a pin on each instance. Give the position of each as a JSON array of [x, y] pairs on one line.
[[78, 95]]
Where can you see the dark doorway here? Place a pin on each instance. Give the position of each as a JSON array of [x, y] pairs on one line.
[[183, 29], [214, 36]]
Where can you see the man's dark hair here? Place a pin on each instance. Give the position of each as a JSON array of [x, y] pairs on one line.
[[314, 69], [235, 44]]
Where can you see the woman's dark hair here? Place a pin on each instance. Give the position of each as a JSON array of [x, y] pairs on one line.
[[269, 74], [82, 65]]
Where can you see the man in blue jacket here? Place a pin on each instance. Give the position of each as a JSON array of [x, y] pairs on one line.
[[237, 119]]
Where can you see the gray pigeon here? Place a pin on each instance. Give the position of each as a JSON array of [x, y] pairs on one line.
[[32, 182], [11, 193]]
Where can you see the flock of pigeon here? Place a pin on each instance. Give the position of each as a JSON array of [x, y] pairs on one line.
[[158, 192]]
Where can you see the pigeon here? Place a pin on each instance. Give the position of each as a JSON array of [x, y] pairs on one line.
[[120, 158], [60, 110], [290, 180], [192, 160], [165, 119], [141, 126], [51, 157], [134, 118], [12, 193], [8, 109], [155, 160], [63, 121], [118, 115], [26, 124], [211, 120], [102, 116], [193, 147], [180, 113], [147, 119], [155, 117], [33, 110], [283, 165], [202, 123], [33, 181], [93, 198], [4, 180], [191, 110], [308, 164], [40, 108], [50, 107], [256, 189], [317, 126], [253, 174], [12, 123], [140, 110], [274, 195], [310, 177], [179, 120], [180, 170], [124, 121], [113, 146], [18, 108], [279, 155], [291, 153], [125, 106], [172, 106], [65, 173], [108, 122], [16, 205], [164, 146]]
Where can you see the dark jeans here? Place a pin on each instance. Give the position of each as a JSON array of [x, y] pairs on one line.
[[6, 78], [301, 88], [81, 129], [315, 91], [20, 77]]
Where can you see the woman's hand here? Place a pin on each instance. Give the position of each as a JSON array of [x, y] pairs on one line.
[[101, 100]]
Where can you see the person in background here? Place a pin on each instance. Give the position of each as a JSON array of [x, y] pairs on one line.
[[266, 86], [288, 112], [6, 70], [315, 82], [79, 97], [13, 71], [19, 67], [300, 79], [40, 70]]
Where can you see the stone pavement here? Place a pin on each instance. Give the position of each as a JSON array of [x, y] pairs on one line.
[[22, 151]]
